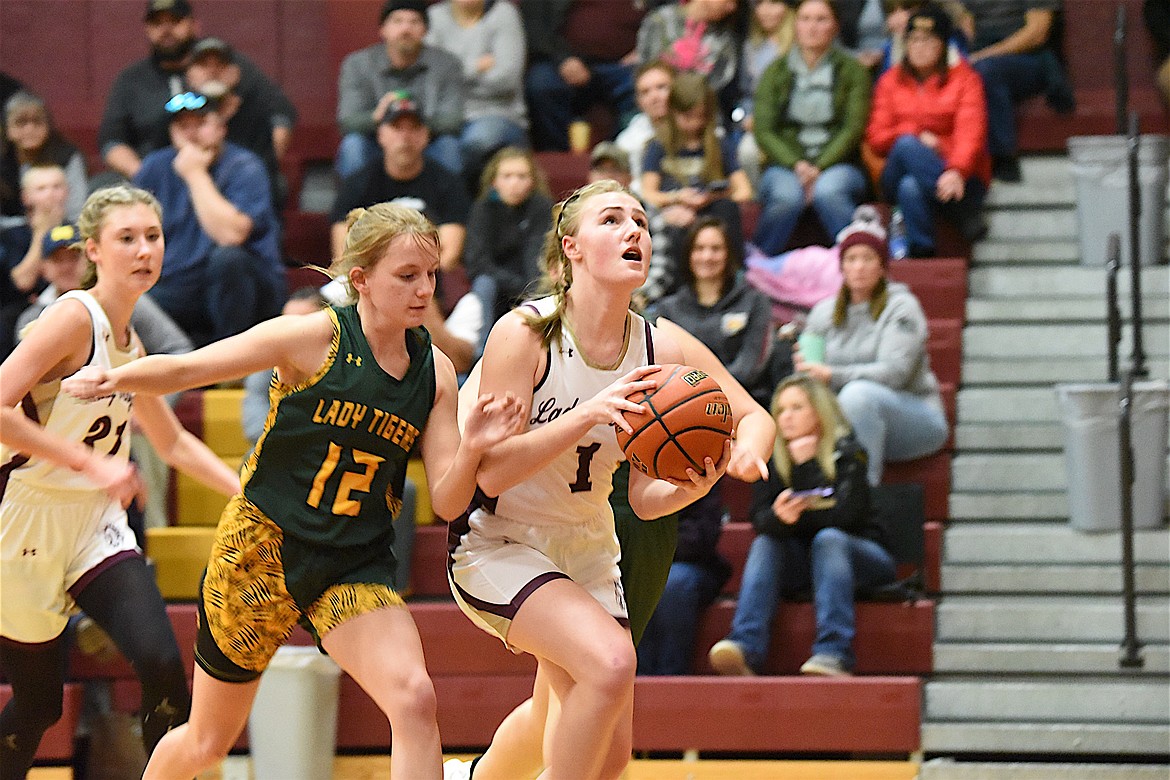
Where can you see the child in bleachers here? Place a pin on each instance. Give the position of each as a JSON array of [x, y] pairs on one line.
[[815, 532], [31, 139], [689, 172]]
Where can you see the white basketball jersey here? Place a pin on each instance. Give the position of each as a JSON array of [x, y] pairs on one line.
[[102, 423], [575, 485]]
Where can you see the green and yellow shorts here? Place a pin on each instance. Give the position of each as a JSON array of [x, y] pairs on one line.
[[259, 584]]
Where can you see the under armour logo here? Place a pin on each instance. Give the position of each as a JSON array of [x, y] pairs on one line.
[[570, 352], [28, 552], [357, 361]]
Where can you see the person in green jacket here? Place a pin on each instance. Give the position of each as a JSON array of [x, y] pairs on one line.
[[811, 108]]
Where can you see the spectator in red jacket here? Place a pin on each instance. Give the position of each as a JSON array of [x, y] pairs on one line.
[[929, 122]]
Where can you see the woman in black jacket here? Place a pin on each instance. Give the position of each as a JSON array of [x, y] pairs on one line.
[[815, 531]]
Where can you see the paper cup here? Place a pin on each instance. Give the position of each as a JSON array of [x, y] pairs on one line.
[[812, 347]]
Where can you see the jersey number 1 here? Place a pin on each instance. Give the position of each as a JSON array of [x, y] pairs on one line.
[[350, 480]]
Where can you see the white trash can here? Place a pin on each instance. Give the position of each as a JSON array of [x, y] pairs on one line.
[[1090, 414], [1100, 166], [292, 730]]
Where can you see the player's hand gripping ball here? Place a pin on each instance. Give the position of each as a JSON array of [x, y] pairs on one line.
[[688, 418]]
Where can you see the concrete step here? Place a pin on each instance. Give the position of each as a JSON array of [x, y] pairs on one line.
[[1059, 282], [1042, 472], [1096, 579], [949, 769], [1052, 700], [1048, 544], [1049, 618], [1052, 340], [1029, 405], [1009, 507], [1052, 252], [1046, 181], [1011, 436], [1046, 739], [991, 370], [1036, 223], [1001, 658], [1155, 307]]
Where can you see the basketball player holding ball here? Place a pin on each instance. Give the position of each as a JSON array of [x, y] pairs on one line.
[[536, 563]]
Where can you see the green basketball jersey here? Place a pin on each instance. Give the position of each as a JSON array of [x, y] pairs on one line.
[[331, 463]]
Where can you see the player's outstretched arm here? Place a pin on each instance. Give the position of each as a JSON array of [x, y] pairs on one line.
[[296, 345], [453, 457]]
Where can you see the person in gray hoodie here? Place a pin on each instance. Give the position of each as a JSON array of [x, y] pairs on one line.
[[874, 334]]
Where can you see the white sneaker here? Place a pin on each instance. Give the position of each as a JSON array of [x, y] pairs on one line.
[[824, 665], [726, 658], [456, 769]]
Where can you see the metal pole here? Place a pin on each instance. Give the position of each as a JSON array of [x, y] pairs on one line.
[[1112, 310], [1138, 355], [1131, 657], [1121, 79]]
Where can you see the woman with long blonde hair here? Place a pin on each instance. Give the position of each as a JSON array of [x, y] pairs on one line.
[[536, 563], [65, 481], [814, 531], [357, 389]]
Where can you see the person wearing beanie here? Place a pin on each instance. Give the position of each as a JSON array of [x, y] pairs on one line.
[[371, 77], [929, 123], [875, 358]]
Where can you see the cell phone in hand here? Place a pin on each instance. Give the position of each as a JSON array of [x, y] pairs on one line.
[[821, 492]]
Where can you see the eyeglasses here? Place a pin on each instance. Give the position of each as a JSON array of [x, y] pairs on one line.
[[187, 101]]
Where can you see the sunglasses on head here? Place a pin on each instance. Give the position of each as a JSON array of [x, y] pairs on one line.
[[187, 101]]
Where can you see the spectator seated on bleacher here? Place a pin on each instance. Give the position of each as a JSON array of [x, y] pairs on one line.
[[30, 138], [403, 174], [488, 37], [507, 226], [693, 37], [716, 305], [580, 52], [770, 34], [1015, 52], [929, 123], [652, 91], [828, 544], [135, 122], [958, 45], [689, 172], [811, 107], [373, 77], [222, 272], [44, 190], [260, 119], [874, 335]]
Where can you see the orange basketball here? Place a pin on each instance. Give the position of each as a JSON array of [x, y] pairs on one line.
[[687, 419]]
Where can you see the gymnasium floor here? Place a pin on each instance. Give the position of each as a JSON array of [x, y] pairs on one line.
[[375, 768]]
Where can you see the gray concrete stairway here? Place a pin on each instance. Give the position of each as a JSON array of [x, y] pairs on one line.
[[1030, 618]]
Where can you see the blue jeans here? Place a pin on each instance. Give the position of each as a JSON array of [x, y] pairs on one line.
[[483, 137], [1008, 79], [909, 181], [233, 291], [668, 643], [892, 425], [553, 104], [357, 150], [834, 565], [836, 193]]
